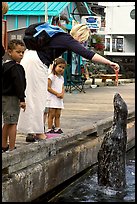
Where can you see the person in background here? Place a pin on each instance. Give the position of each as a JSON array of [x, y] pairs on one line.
[[55, 95], [36, 63], [13, 93]]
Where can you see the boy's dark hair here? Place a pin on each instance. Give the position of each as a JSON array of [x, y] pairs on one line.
[[58, 61], [13, 43]]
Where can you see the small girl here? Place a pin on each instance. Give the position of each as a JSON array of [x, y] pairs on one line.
[[55, 95]]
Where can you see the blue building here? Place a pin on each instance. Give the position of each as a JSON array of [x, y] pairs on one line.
[[22, 14]]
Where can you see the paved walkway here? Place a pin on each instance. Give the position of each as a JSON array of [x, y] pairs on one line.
[[90, 107]]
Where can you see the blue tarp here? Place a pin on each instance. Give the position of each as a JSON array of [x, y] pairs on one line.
[[50, 29]]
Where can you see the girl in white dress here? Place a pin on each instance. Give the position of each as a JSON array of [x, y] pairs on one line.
[[55, 95]]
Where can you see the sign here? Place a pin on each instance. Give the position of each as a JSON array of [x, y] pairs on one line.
[[93, 22]]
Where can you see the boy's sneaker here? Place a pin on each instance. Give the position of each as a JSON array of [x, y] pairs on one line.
[[11, 150], [59, 131], [50, 131], [4, 149]]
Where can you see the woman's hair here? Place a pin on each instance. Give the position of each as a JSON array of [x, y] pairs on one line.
[[56, 62], [80, 30], [13, 43]]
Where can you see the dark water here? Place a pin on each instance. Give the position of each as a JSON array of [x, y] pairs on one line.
[[86, 188]]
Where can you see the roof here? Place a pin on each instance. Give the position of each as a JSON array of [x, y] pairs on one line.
[[36, 8]]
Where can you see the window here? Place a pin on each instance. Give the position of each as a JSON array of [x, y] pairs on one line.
[[107, 44], [119, 44], [132, 14]]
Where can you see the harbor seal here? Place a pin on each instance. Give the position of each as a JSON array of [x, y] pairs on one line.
[[112, 154]]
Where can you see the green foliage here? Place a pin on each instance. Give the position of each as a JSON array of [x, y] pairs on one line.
[[97, 42]]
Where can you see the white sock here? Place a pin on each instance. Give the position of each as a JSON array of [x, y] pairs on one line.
[[57, 128]]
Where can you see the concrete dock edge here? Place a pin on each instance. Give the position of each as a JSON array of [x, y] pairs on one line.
[[28, 173]]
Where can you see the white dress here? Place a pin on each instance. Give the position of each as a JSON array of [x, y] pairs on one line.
[[31, 121], [57, 83]]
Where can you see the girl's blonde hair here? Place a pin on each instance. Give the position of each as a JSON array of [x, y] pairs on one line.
[[80, 30]]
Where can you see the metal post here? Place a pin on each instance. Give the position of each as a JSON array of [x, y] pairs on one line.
[[46, 11]]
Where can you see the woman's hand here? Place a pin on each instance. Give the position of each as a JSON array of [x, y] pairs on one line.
[[114, 66]]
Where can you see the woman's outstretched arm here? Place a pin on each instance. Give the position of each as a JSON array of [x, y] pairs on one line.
[[98, 58]]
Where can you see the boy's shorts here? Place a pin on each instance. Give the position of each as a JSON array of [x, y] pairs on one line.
[[10, 109], [46, 110]]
